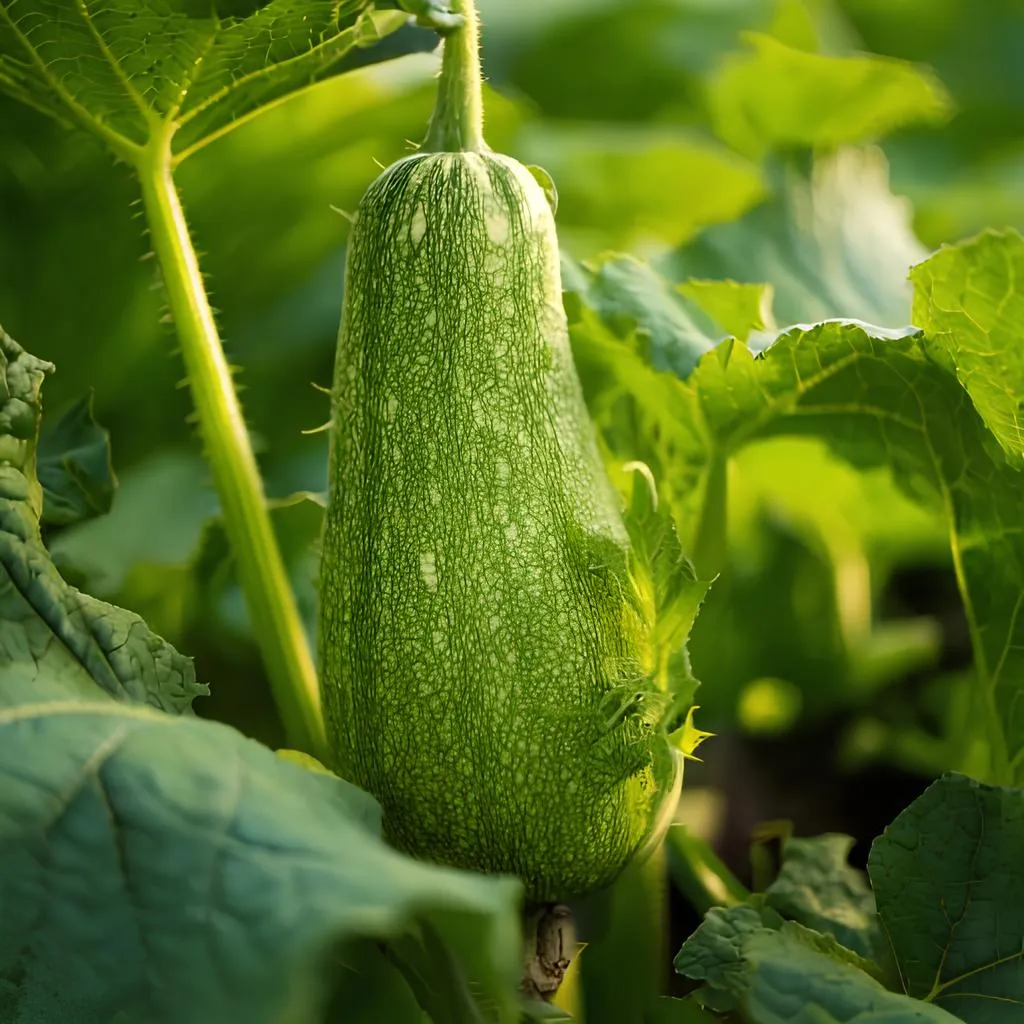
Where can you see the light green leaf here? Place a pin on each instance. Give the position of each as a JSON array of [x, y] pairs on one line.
[[836, 243], [794, 984], [970, 302], [167, 869], [775, 96], [739, 308], [794, 628], [665, 586], [816, 887], [50, 633], [948, 875], [124, 68], [879, 399], [635, 186], [74, 467], [155, 524], [629, 297]]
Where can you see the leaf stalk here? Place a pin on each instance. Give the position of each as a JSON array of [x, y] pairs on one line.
[[276, 624]]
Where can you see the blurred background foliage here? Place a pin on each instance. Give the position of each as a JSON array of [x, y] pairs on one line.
[[819, 147]]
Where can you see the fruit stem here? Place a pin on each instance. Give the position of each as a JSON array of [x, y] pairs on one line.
[[457, 124]]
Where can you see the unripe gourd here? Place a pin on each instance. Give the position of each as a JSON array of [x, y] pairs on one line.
[[482, 652]]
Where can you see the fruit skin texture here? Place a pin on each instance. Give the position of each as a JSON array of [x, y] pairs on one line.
[[479, 642]]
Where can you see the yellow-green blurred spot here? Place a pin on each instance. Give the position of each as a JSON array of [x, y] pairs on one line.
[[304, 760], [769, 705]]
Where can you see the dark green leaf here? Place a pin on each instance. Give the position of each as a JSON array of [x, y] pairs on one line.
[[792, 983], [629, 297], [713, 954], [370, 989], [54, 640], [948, 875], [816, 887], [172, 871], [722, 951], [74, 468]]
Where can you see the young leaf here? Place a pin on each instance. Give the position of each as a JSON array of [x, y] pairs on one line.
[[817, 887], [54, 640], [127, 69], [168, 869], [74, 468], [739, 308], [665, 585], [948, 875]]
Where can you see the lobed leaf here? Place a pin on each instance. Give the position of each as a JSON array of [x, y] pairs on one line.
[[124, 68], [948, 875], [169, 870], [54, 640], [879, 398]]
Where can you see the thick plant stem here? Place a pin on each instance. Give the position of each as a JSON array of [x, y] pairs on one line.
[[457, 124], [268, 594]]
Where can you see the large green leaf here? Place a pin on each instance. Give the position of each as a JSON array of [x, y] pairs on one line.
[[948, 875], [878, 398], [55, 640], [723, 952], [776, 96], [123, 68], [783, 973], [161, 870], [970, 301], [638, 186], [795, 984], [832, 243]]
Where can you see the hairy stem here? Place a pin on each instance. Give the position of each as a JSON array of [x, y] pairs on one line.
[[268, 595], [457, 124]]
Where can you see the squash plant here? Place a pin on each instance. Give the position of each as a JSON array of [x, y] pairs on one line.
[[506, 602]]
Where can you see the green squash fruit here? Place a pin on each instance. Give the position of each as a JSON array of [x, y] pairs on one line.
[[486, 665]]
